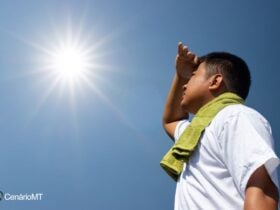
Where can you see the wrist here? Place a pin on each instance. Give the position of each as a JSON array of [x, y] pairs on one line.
[[182, 79]]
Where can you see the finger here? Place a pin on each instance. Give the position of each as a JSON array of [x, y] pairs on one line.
[[190, 56], [196, 60], [185, 51], [180, 48]]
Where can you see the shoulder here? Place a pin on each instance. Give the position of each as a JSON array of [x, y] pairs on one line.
[[240, 111], [241, 118]]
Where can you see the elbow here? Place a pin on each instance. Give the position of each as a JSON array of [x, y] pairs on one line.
[[170, 128]]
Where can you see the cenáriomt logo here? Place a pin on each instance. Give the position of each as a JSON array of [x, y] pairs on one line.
[[21, 196]]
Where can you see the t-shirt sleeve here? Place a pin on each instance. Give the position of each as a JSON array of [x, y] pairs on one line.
[[246, 144], [181, 126]]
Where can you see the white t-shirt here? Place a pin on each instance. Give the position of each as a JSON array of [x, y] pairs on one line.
[[232, 147]]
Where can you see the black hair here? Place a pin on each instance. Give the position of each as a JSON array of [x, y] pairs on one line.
[[235, 71]]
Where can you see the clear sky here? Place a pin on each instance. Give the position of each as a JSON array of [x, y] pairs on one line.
[[97, 144]]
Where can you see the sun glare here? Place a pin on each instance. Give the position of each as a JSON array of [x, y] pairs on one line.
[[69, 63], [70, 56]]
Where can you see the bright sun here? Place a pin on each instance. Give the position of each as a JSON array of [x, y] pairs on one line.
[[69, 62]]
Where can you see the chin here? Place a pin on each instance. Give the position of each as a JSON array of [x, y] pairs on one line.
[[186, 108]]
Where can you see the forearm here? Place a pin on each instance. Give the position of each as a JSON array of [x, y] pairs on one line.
[[172, 110]]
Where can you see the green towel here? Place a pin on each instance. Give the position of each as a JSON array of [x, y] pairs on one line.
[[181, 151]]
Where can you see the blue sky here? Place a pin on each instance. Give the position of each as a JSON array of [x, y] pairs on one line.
[[98, 145]]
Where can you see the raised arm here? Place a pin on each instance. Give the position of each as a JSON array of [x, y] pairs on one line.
[[186, 63]]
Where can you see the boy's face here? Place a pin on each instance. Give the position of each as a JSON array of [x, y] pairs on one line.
[[196, 91]]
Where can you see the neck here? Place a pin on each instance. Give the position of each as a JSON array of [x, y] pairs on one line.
[[206, 100]]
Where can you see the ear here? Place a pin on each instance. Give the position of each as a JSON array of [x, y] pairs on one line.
[[216, 82]]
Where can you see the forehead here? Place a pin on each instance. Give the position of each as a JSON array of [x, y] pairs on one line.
[[201, 68]]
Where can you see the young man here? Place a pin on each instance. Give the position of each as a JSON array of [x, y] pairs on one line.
[[224, 157]]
